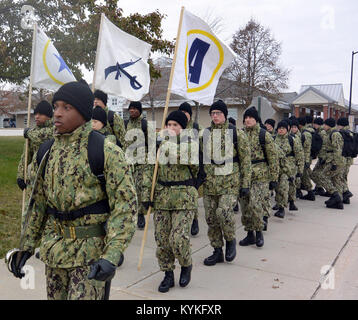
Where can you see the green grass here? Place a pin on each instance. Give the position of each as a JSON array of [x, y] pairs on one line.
[[10, 195]]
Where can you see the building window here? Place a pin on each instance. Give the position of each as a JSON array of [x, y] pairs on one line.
[[114, 101], [232, 112]]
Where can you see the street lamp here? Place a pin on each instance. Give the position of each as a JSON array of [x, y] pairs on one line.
[[350, 93]]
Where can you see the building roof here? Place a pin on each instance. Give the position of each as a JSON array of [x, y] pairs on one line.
[[332, 91]]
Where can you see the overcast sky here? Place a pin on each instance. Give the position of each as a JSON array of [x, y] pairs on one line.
[[317, 36]]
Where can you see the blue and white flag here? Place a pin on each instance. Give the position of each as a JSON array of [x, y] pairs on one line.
[[121, 63], [50, 71], [201, 59]]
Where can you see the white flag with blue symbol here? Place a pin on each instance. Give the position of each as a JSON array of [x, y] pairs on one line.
[[121, 63], [50, 71], [201, 59]]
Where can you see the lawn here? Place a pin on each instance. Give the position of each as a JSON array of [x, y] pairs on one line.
[[10, 195]]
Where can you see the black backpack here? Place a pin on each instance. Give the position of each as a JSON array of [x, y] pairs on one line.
[[144, 127], [350, 146], [94, 151], [316, 144]]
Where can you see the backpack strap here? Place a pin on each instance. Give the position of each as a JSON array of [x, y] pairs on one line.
[[95, 151], [126, 123], [44, 147], [290, 140], [262, 139], [110, 118]]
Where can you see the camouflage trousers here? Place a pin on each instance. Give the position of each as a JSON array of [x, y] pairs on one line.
[[292, 186], [306, 183], [333, 181], [317, 174], [345, 175], [138, 171], [254, 207], [282, 189], [72, 284], [172, 236], [220, 218]]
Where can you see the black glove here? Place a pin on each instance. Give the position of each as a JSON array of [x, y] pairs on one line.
[[307, 165], [298, 175], [21, 183], [244, 192], [273, 185], [291, 179], [102, 270], [147, 204], [18, 261], [334, 167], [321, 161], [25, 132]]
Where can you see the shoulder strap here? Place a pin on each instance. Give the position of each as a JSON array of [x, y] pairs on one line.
[[95, 151], [44, 147], [111, 118], [262, 139], [126, 123]]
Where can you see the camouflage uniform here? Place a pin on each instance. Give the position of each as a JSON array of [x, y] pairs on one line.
[[222, 186], [349, 163], [299, 165], [254, 208], [298, 136], [173, 205], [118, 127], [306, 183], [333, 181], [68, 185], [322, 155]]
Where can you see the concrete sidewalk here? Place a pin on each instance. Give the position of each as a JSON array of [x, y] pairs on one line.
[[293, 264]]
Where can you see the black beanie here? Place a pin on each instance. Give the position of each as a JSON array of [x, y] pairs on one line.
[[101, 96], [294, 122], [252, 112], [136, 104], [330, 122], [219, 105], [342, 122], [77, 94], [100, 115], [318, 121], [232, 121], [271, 122], [44, 108], [282, 124], [302, 121], [309, 119], [185, 106], [179, 117]]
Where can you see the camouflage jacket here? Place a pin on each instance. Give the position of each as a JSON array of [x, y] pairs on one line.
[[335, 144], [118, 127], [138, 142], [178, 197], [306, 132], [231, 177], [263, 171], [323, 152], [36, 136], [112, 138], [349, 160], [69, 184]]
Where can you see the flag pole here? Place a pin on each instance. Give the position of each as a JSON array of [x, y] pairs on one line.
[[162, 127], [29, 114], [98, 46]]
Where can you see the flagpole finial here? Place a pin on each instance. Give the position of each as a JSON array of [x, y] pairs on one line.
[[28, 20]]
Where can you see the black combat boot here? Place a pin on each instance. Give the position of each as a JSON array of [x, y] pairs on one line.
[[259, 239], [280, 213], [230, 250], [265, 223], [326, 194], [299, 193], [309, 196], [250, 239], [346, 197], [195, 227], [185, 276], [141, 221], [275, 207], [236, 208], [216, 257], [167, 283], [319, 191], [333, 199], [292, 206]]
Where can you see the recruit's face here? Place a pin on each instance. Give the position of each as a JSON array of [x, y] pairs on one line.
[[282, 131], [316, 126], [217, 117], [174, 128], [134, 113], [40, 119], [250, 122], [66, 118], [294, 129], [98, 102], [96, 124], [269, 127], [326, 127]]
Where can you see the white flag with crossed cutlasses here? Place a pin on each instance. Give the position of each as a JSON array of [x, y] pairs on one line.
[[50, 71], [121, 63], [201, 59]]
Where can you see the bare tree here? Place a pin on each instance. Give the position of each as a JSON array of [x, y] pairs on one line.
[[256, 67]]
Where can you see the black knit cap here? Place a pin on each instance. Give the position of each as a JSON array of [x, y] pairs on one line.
[[100, 115], [179, 117], [101, 96], [232, 121], [342, 122], [271, 122], [185, 106], [219, 105], [45, 108], [294, 122], [309, 119], [318, 121], [330, 122], [137, 105], [282, 124], [79, 95], [252, 112], [302, 121]]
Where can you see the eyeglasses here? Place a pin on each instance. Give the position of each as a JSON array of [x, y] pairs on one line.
[[215, 113]]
